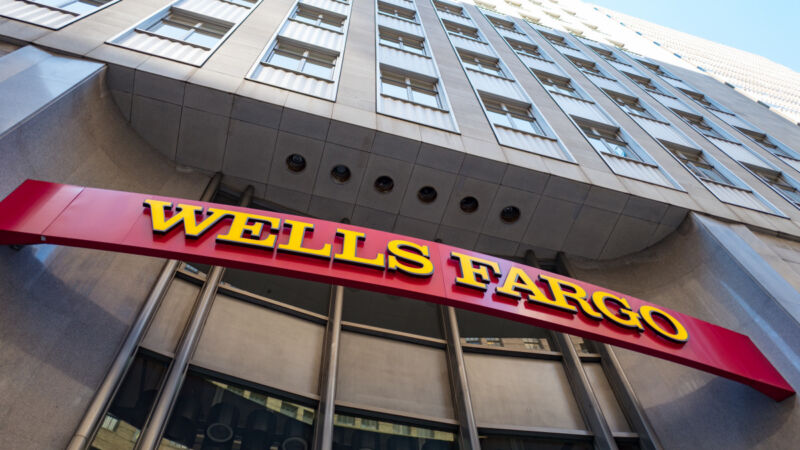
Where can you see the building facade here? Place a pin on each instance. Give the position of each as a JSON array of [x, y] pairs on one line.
[[518, 129]]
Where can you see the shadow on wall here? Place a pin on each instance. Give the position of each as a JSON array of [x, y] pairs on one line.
[[693, 272]]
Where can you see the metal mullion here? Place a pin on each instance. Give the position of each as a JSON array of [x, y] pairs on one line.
[[468, 428], [579, 382], [323, 426], [150, 437], [119, 367]]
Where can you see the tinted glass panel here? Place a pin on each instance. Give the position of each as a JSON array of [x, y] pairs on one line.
[[389, 311], [360, 433], [216, 414], [530, 443], [303, 294], [480, 329], [131, 405]]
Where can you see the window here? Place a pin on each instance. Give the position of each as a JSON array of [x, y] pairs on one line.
[[484, 330], [180, 26], [493, 342], [701, 99], [587, 67], [110, 423], [400, 41], [778, 181], [555, 39], [605, 54], [299, 59], [452, 9], [535, 344], [630, 105], [700, 125], [557, 84], [472, 340], [764, 141], [318, 18], [655, 68], [609, 141], [517, 117], [645, 83], [362, 433], [481, 63], [503, 24], [695, 161], [208, 413], [463, 31], [78, 7], [397, 12], [411, 89], [524, 48], [504, 442]]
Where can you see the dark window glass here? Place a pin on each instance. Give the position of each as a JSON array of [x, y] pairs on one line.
[[392, 312], [480, 329], [215, 414], [491, 442], [359, 433], [131, 405], [303, 294]]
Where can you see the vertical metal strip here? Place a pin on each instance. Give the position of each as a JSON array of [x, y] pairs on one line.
[[127, 351], [590, 407], [627, 399], [587, 402], [323, 426], [151, 432], [468, 429]]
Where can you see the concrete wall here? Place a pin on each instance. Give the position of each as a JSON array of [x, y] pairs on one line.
[[66, 310], [700, 270]]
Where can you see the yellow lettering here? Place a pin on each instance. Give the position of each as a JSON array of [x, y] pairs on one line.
[[629, 318], [560, 297], [397, 249], [518, 281], [349, 247], [473, 271], [186, 214], [242, 223], [680, 335], [296, 236]]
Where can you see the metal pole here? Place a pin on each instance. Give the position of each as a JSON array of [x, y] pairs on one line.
[[323, 429], [468, 429], [119, 367], [151, 433], [627, 399], [590, 407]]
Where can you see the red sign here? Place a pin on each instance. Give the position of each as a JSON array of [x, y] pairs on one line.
[[334, 253]]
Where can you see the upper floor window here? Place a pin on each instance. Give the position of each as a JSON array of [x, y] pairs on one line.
[[607, 55], [701, 99], [645, 83], [397, 12], [503, 24], [301, 59], [73, 6], [481, 63], [524, 48], [630, 105], [608, 140], [180, 26], [765, 142], [452, 9], [556, 40], [461, 30], [700, 125], [655, 68], [318, 17], [409, 88], [779, 182], [587, 67], [557, 84], [402, 41], [514, 116], [696, 162]]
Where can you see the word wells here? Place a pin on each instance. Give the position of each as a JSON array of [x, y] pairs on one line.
[[259, 231]]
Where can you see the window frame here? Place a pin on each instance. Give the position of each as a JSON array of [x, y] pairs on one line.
[[411, 84], [629, 105], [695, 161], [611, 140], [385, 33], [778, 182], [519, 48], [324, 17], [558, 85], [398, 12], [448, 25], [202, 25], [501, 107], [303, 58], [482, 63]]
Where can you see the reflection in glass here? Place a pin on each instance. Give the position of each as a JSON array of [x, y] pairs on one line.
[[491, 442], [392, 312], [583, 346], [123, 422], [303, 294], [480, 329], [358, 433], [214, 414]]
